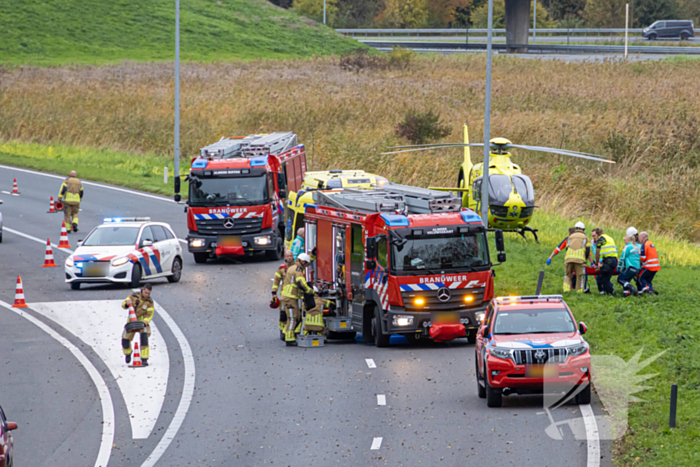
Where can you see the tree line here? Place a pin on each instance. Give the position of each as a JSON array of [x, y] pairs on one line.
[[460, 13]]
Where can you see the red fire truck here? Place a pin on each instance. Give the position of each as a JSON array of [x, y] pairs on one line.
[[400, 260], [237, 189]]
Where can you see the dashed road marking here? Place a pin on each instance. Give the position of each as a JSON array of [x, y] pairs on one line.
[[592, 439], [107, 440], [376, 444], [381, 399], [6, 192], [29, 237], [370, 363]]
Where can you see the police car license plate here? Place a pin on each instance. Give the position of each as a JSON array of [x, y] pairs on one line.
[[446, 318], [541, 371], [95, 269]]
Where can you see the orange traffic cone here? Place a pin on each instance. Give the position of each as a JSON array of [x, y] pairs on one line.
[[19, 295], [48, 258], [15, 191], [137, 355], [132, 314], [52, 207], [64, 237]]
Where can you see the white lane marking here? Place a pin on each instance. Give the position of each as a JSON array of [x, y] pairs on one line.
[[43, 242], [99, 323], [6, 192], [187, 390], [381, 399], [370, 363], [109, 187], [592, 438], [376, 444], [107, 440]]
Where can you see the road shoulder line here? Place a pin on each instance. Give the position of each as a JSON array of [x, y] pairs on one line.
[[592, 439]]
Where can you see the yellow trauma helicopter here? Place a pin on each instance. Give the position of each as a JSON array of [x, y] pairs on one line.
[[511, 193]]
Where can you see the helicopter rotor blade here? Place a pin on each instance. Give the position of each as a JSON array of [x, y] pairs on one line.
[[436, 144], [401, 151], [564, 152]]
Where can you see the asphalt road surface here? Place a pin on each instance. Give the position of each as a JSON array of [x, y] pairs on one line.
[[235, 395], [539, 40]]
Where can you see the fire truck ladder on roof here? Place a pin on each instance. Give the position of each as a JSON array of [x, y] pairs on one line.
[[250, 146], [392, 198]]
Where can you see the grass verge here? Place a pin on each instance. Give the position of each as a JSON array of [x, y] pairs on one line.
[[141, 172]]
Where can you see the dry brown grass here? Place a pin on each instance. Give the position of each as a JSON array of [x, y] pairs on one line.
[[644, 115]]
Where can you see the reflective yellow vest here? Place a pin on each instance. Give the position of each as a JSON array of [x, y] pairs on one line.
[[609, 250], [293, 281]]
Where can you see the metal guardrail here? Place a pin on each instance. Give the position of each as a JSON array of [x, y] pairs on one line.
[[535, 48], [457, 31]]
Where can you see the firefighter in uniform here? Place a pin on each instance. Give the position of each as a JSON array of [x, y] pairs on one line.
[[607, 251], [144, 308], [293, 282], [575, 259], [313, 322], [279, 279], [70, 194]]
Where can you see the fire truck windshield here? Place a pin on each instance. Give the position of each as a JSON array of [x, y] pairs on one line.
[[439, 253], [229, 191]]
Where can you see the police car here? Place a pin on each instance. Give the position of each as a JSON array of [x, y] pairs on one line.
[[126, 250]]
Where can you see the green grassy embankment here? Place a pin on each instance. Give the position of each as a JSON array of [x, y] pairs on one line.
[[52, 32]]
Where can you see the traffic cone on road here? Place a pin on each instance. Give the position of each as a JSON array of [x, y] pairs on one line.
[[132, 314], [15, 191], [48, 258], [64, 237], [19, 295], [52, 207], [137, 355]]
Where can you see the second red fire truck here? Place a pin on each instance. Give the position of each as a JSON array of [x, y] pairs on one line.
[[400, 260]]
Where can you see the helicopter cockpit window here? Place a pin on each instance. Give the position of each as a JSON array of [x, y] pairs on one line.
[[500, 189], [523, 185]]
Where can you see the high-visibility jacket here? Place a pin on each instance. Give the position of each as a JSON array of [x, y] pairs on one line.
[[649, 257], [143, 307], [293, 281], [560, 247], [607, 246], [576, 250], [279, 276], [71, 191]]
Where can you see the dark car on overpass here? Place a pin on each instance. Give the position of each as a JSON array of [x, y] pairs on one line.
[[6, 440], [669, 29]]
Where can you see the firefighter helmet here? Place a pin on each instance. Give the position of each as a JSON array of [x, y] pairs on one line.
[[275, 302]]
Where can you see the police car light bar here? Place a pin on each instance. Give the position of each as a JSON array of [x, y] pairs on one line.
[[109, 220], [530, 298]]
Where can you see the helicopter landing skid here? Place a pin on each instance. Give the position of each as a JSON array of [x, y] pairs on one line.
[[528, 229]]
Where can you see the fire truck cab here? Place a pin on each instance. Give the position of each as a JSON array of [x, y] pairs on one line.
[[237, 191], [400, 260]]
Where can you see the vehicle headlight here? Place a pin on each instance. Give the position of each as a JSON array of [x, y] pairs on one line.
[[403, 320], [480, 317], [69, 261], [120, 261], [577, 349], [500, 353], [197, 242], [264, 240]]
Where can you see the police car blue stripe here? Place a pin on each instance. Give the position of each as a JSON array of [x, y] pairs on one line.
[[144, 265], [156, 263]]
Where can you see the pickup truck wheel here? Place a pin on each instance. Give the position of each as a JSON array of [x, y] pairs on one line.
[[380, 340], [135, 276], [584, 397], [493, 398], [481, 390], [200, 258], [471, 336]]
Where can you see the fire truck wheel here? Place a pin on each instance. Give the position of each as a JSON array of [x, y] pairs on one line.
[[481, 390], [200, 258], [380, 339], [135, 276], [75, 285], [277, 253]]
